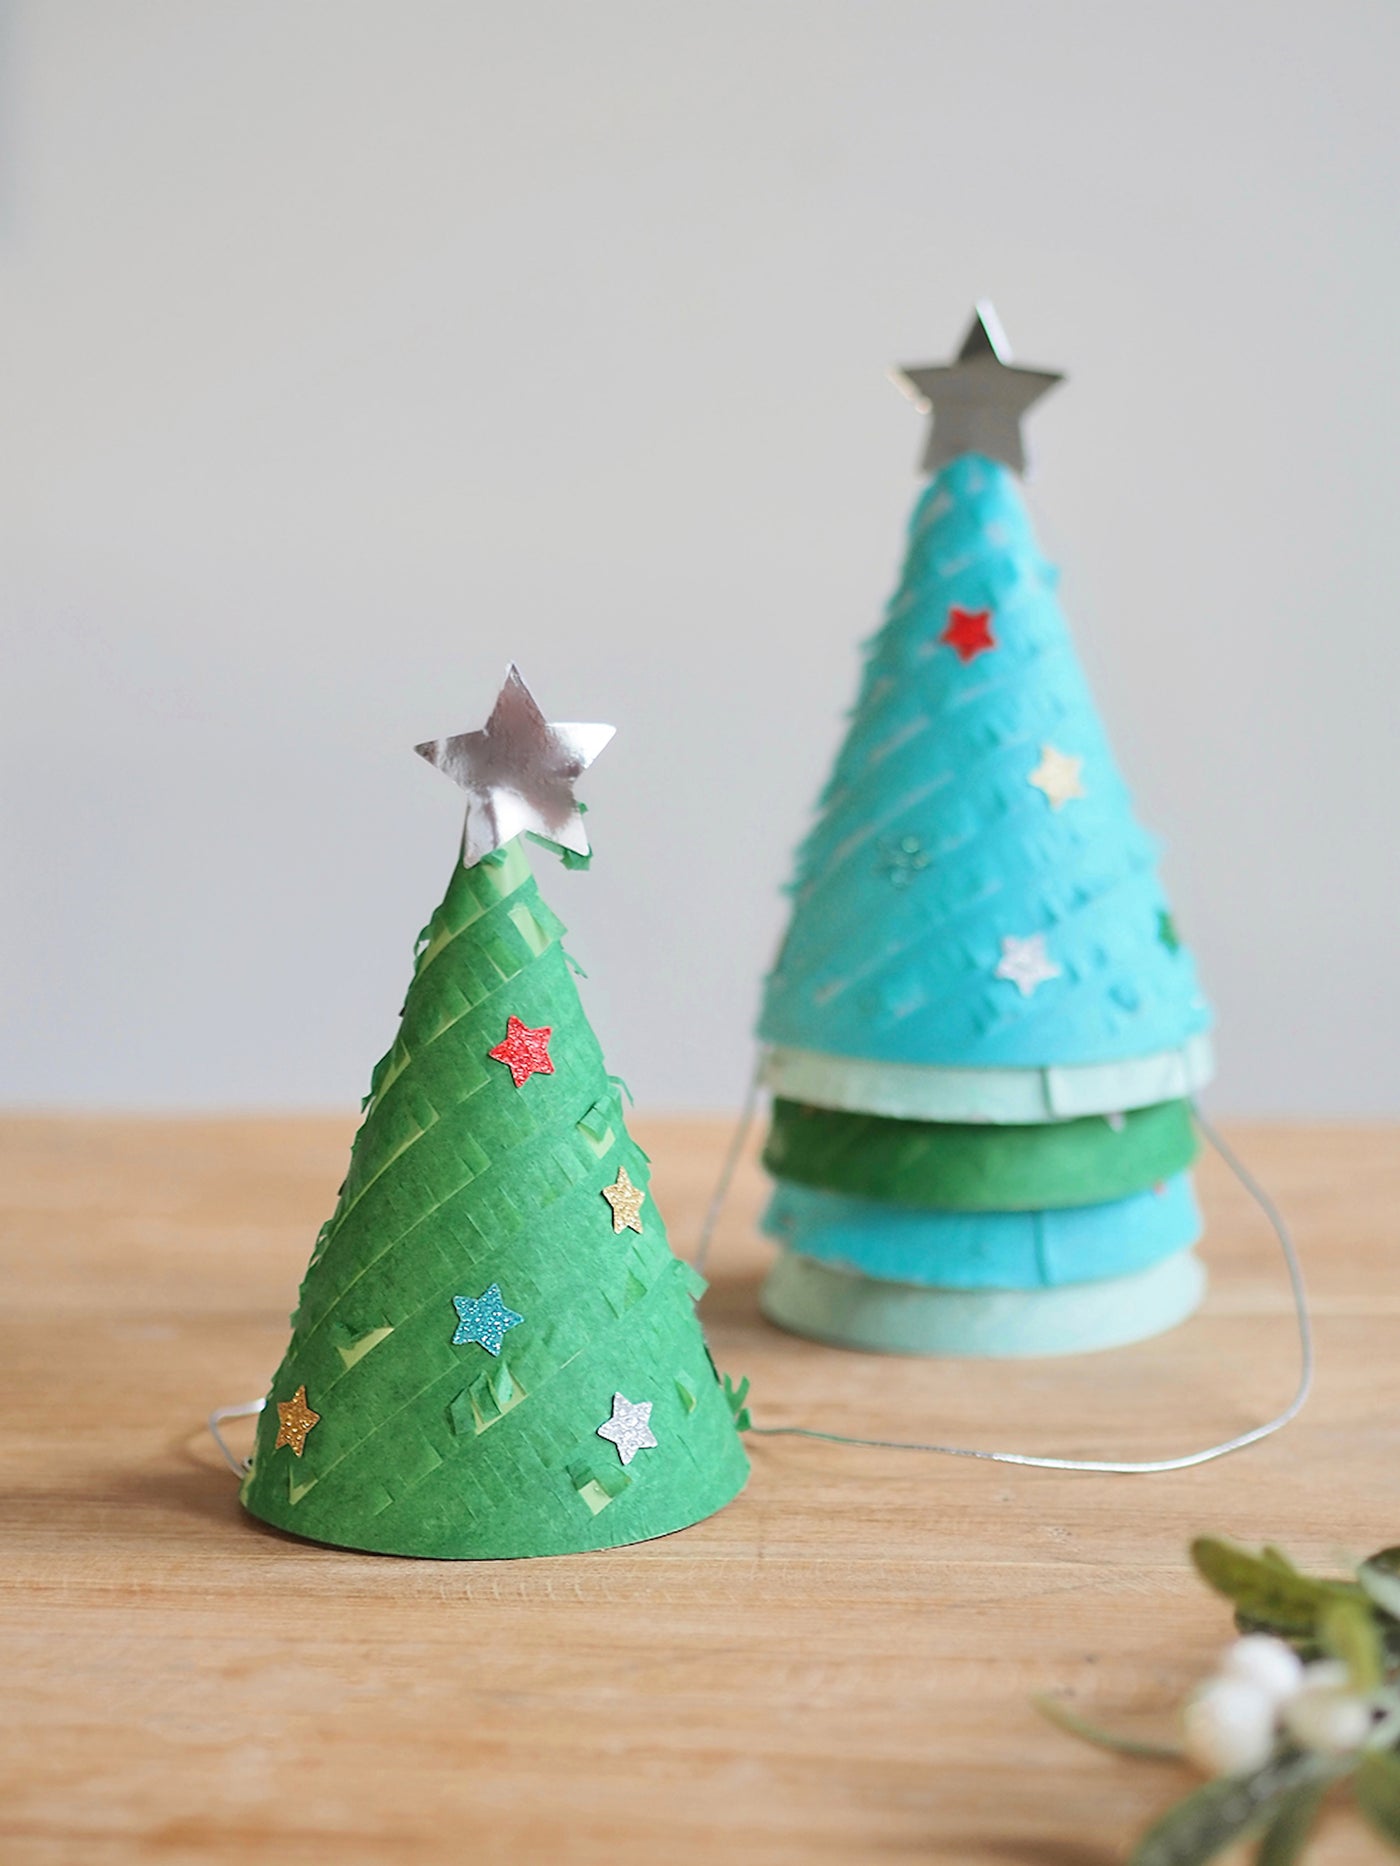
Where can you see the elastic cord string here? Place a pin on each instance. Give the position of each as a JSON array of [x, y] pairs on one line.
[[1126, 1467], [239, 1466], [720, 1195]]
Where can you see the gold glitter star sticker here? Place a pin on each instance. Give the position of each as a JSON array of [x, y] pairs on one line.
[[1057, 775], [294, 1420], [626, 1201]]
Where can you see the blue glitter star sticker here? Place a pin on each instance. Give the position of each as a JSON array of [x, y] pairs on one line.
[[483, 1319]]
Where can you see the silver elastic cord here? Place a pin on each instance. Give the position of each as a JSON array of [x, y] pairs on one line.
[[719, 1198], [1128, 1467], [239, 1466], [248, 1409]]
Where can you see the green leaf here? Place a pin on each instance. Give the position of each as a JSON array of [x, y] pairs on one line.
[[1378, 1793], [1277, 1559], [1303, 1644], [1271, 1598], [1348, 1631], [1225, 1811], [1388, 1559], [1287, 1833], [1382, 1584], [1057, 1712]]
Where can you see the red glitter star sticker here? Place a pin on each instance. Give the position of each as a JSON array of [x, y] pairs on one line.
[[524, 1052], [969, 632]]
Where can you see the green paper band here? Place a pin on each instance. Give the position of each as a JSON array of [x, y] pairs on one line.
[[911, 1092], [970, 1168], [852, 1311], [459, 1180]]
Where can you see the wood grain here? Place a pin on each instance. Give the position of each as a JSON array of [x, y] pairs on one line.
[[837, 1668]]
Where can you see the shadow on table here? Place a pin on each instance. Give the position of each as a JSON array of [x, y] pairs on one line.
[[194, 1482]]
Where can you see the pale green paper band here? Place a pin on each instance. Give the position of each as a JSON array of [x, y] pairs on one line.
[[852, 1311], [1011, 1097]]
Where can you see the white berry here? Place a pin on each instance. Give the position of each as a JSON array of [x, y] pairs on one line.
[[1228, 1726], [1327, 1675], [1328, 1718], [1266, 1663]]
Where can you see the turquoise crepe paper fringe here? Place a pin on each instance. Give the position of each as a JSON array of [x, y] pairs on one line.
[[897, 963], [986, 1250]]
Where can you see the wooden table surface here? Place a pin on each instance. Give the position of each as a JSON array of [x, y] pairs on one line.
[[836, 1668]]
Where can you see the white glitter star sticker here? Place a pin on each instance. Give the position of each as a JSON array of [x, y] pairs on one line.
[[1026, 963], [629, 1428], [1058, 775]]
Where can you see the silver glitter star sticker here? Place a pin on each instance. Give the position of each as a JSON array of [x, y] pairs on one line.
[[629, 1428], [978, 401], [519, 773]]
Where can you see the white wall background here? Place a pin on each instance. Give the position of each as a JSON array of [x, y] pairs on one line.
[[352, 347]]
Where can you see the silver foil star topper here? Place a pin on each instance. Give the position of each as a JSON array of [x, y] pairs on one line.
[[519, 773], [978, 401]]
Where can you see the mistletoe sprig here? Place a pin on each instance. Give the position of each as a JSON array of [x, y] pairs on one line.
[[1308, 1698]]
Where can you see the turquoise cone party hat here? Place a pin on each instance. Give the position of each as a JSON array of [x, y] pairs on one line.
[[982, 1010]]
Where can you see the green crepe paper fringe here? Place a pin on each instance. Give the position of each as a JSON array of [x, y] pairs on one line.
[[977, 1168], [458, 1179]]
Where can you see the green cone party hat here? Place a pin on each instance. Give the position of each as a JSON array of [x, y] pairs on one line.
[[495, 1352]]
